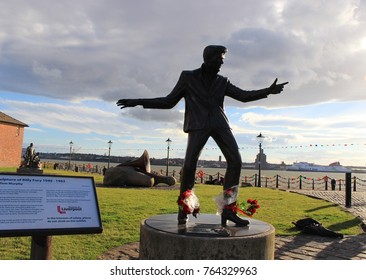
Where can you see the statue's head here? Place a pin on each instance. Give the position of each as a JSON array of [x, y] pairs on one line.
[[213, 56]]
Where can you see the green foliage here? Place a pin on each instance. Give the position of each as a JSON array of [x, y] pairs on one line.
[[123, 209]]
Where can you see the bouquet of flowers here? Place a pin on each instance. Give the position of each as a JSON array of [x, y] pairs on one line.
[[188, 203], [250, 207]]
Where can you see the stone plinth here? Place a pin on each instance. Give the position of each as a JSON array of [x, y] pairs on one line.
[[161, 238], [29, 170]]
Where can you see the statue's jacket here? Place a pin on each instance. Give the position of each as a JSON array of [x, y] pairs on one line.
[[204, 109]]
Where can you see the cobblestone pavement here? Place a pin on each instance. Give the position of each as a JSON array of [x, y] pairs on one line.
[[309, 247], [302, 246]]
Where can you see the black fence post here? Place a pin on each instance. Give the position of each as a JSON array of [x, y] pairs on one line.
[[276, 181], [354, 183], [255, 180], [333, 183], [348, 190], [300, 182]]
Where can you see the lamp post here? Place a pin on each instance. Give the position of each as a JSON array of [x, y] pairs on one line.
[[260, 139], [168, 141], [70, 153], [109, 151]]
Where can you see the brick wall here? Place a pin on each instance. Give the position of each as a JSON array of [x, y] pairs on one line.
[[11, 141]]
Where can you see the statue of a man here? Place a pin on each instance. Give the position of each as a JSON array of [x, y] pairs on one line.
[[204, 91], [29, 154]]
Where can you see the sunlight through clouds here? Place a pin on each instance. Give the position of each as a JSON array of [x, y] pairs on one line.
[[64, 64]]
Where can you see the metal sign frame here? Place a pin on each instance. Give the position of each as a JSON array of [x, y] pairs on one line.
[[46, 205]]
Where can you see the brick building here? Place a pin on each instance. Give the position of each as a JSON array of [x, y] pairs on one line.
[[11, 141]]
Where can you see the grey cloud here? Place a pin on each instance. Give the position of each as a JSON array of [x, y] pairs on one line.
[[69, 118], [161, 116], [121, 49]]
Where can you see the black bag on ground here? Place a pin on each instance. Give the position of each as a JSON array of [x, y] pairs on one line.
[[311, 226]]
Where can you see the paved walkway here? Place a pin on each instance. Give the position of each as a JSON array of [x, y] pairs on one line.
[[302, 246], [310, 247]]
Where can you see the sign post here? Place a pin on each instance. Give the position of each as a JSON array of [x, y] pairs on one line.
[[348, 190], [41, 247]]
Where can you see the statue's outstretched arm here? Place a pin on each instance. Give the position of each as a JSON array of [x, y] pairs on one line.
[[251, 95], [166, 102]]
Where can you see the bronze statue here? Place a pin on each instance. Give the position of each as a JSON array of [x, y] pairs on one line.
[[29, 154], [31, 158], [135, 173], [204, 92]]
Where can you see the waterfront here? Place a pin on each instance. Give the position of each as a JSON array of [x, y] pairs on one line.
[[215, 171], [264, 173], [283, 179], [280, 179]]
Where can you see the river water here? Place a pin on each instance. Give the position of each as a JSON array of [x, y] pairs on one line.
[[249, 173], [281, 179]]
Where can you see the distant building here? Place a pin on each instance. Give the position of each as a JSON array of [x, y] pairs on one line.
[[11, 141], [264, 163], [283, 166]]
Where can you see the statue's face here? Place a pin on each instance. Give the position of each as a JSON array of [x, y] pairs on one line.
[[215, 62]]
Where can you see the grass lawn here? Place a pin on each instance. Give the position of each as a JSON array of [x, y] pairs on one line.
[[122, 210]]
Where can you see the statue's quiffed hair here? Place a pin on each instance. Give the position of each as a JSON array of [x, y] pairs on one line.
[[211, 50]]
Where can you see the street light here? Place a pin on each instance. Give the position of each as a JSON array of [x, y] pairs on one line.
[[109, 153], [70, 153], [168, 141], [260, 139]]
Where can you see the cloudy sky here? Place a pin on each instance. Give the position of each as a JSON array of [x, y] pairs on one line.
[[64, 64]]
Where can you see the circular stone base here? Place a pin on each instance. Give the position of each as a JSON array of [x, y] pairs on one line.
[[161, 238]]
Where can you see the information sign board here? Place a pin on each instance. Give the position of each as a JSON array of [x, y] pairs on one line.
[[48, 205]]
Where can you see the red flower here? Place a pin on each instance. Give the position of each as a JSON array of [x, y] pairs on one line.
[[251, 208], [186, 205], [228, 193], [186, 209]]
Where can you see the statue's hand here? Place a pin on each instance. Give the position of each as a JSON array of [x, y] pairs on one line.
[[127, 103], [276, 89]]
